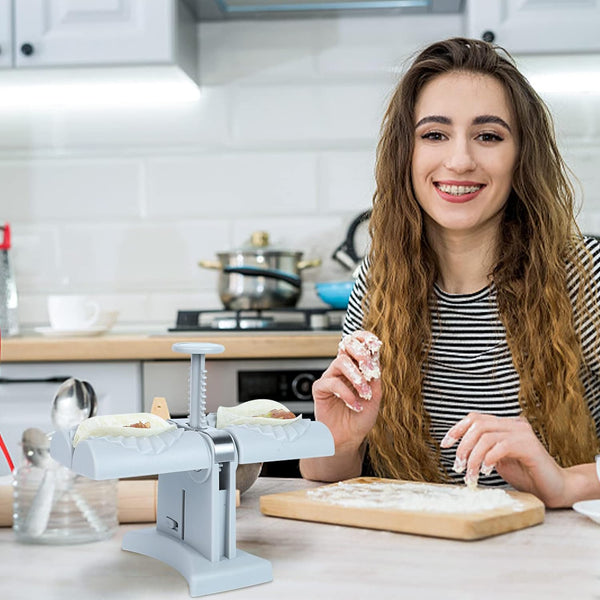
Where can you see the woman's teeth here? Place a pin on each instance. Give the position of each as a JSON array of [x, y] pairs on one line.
[[458, 190]]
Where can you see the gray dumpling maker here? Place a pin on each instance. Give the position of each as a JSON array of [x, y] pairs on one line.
[[195, 463]]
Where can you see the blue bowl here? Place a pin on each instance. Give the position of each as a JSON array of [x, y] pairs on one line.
[[335, 293]]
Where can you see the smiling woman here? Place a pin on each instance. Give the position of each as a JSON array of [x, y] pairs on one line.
[[480, 291]]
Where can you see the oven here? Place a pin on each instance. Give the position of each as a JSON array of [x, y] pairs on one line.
[[233, 381]]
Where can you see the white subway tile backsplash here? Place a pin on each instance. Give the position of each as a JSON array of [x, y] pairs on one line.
[[332, 114], [263, 51], [347, 180], [584, 161], [68, 189], [352, 112], [26, 131], [576, 116], [147, 257], [406, 32], [196, 124], [35, 255], [589, 221], [162, 307], [232, 185], [378, 46], [270, 113]]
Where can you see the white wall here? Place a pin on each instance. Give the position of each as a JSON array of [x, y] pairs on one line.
[[121, 203]]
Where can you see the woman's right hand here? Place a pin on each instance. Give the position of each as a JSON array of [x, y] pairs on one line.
[[348, 394]]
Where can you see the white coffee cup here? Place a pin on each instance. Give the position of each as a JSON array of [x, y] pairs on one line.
[[72, 312]]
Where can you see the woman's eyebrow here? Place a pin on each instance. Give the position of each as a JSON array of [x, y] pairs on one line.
[[434, 119], [483, 119]]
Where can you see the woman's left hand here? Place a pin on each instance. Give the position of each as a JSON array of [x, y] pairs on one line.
[[509, 445]]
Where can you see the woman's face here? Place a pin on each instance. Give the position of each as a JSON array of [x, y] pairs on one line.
[[465, 152]]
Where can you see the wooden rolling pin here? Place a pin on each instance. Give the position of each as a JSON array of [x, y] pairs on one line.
[[136, 502]]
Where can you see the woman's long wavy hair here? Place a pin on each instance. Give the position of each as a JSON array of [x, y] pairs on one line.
[[538, 236]]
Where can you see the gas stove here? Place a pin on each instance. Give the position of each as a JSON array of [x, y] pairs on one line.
[[280, 319]]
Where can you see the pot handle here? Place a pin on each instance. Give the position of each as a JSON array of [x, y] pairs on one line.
[[210, 264], [272, 273], [307, 264]]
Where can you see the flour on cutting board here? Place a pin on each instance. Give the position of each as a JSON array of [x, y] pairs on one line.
[[415, 497]]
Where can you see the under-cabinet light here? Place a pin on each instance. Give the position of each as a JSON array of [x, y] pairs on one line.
[[565, 74], [568, 83], [95, 88], [284, 6]]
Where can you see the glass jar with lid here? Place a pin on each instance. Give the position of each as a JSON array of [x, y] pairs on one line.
[[54, 505]]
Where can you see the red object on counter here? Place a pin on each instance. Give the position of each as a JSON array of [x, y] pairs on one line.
[[4, 449], [5, 245]]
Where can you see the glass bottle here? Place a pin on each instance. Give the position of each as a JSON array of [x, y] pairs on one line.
[[9, 320]]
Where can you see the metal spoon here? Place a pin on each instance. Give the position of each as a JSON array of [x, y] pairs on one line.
[[73, 402], [93, 398]]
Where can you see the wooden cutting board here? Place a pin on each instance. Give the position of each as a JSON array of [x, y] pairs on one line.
[[463, 526]]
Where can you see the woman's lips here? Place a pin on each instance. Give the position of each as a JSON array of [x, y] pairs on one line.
[[458, 192]]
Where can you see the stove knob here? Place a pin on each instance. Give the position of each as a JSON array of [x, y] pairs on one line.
[[302, 386], [319, 321]]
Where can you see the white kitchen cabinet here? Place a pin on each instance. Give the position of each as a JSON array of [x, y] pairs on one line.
[[6, 50], [27, 390], [76, 33], [536, 26]]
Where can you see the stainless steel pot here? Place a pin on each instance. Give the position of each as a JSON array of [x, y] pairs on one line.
[[258, 276]]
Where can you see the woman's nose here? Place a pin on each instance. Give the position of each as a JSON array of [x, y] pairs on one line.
[[460, 158]]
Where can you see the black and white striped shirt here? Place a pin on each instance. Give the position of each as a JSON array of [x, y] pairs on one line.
[[470, 368]]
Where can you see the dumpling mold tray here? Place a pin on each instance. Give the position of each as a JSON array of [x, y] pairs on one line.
[[195, 463]]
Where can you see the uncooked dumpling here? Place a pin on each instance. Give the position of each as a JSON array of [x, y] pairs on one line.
[[255, 412], [127, 425]]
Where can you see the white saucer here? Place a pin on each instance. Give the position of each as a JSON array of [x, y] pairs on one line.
[[51, 332], [589, 508]]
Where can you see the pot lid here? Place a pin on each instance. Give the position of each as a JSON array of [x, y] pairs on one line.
[[259, 243]]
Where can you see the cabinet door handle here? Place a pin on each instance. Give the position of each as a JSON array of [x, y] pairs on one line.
[[27, 49], [51, 379]]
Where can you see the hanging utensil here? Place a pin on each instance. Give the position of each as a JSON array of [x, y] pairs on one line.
[[346, 253]]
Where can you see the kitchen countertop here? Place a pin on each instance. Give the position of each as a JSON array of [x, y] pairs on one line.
[[295, 344], [557, 559]]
